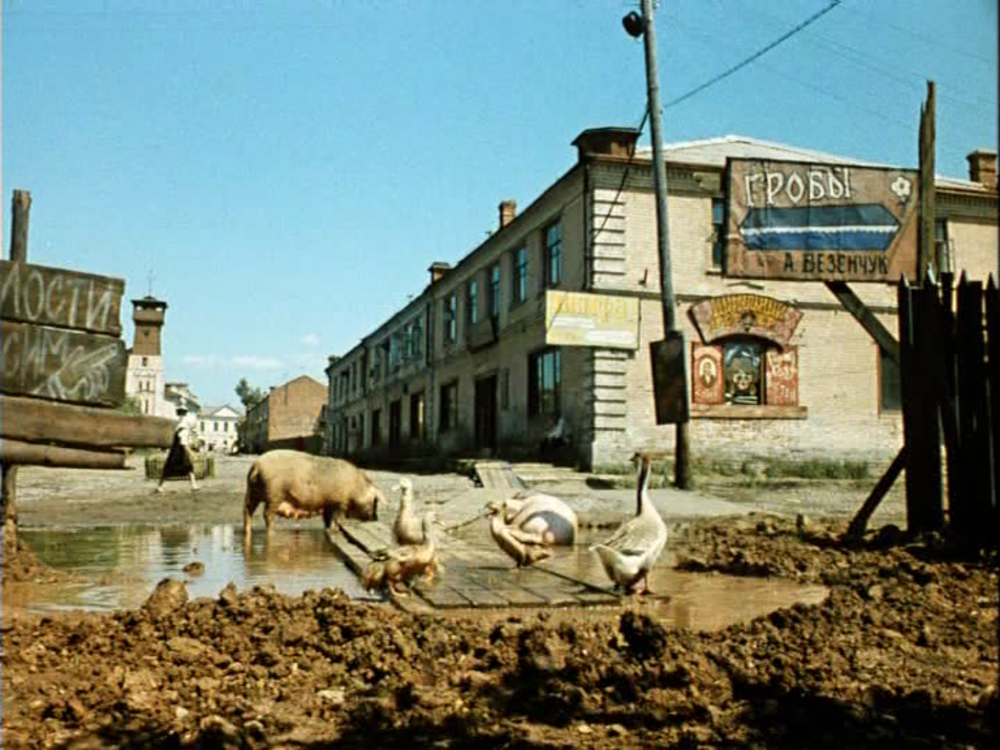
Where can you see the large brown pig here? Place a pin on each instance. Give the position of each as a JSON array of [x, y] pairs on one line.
[[292, 484]]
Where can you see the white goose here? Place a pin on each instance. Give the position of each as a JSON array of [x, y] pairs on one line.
[[407, 529], [632, 551], [400, 565]]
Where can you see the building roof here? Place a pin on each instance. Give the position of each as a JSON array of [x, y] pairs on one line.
[[714, 152], [215, 411]]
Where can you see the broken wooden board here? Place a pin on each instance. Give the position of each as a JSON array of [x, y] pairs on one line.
[[57, 297], [37, 420], [473, 576], [62, 364], [497, 475]]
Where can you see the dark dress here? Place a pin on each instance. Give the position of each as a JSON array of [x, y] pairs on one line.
[[178, 463]]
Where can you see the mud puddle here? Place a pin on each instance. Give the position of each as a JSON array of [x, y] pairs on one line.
[[117, 567]]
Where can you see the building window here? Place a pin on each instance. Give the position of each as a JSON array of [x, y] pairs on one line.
[[395, 352], [376, 431], [145, 361], [519, 281], [544, 382], [718, 234], [472, 302], [494, 292], [449, 407], [553, 255], [450, 320], [417, 338], [890, 388], [417, 416]]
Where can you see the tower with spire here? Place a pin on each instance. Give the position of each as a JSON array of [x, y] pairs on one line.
[[144, 381]]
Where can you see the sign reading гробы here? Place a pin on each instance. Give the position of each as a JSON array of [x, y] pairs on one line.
[[827, 222]]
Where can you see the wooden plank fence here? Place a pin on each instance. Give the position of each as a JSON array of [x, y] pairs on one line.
[[950, 360]]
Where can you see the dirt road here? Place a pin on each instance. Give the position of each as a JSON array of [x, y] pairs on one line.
[[903, 652]]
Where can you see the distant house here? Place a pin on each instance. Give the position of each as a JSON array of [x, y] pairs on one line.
[[217, 427], [180, 394], [289, 417]]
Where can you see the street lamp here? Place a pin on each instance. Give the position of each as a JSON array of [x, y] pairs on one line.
[[667, 356]]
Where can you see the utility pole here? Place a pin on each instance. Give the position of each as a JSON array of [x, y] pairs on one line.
[[668, 356]]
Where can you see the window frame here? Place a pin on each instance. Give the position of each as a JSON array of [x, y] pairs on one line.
[[493, 301], [448, 407], [553, 254], [519, 275], [538, 403]]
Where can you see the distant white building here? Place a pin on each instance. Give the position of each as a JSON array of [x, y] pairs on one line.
[[180, 394], [217, 427]]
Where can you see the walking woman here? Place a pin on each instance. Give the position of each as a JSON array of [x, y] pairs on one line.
[[180, 460]]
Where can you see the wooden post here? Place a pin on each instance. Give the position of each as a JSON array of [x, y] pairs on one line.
[[21, 209], [20, 214], [925, 253]]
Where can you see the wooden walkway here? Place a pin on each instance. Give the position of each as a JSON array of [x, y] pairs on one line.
[[481, 576]]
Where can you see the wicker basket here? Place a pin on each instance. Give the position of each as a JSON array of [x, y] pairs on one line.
[[204, 467]]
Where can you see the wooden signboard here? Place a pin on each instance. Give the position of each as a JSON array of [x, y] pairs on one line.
[[61, 298], [599, 320], [62, 364], [824, 222], [59, 331]]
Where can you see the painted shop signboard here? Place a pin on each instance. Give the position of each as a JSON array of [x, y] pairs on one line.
[[824, 222], [745, 315], [599, 320]]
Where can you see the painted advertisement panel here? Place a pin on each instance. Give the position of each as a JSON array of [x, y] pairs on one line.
[[803, 221], [600, 320]]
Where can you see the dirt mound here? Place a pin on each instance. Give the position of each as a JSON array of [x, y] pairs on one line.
[[903, 653]]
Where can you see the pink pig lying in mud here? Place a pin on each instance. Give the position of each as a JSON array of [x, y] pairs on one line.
[[298, 485]]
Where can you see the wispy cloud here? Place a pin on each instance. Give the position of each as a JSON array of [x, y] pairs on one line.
[[256, 362], [311, 339], [202, 361]]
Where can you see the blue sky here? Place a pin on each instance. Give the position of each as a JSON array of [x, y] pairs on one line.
[[286, 171]]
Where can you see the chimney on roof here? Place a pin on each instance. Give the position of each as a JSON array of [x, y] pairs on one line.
[[508, 210], [606, 142], [983, 167], [438, 269]]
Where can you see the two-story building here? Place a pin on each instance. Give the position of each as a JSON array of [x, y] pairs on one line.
[[544, 329], [288, 417], [217, 427]]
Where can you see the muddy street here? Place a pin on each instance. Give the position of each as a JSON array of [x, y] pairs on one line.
[[899, 649]]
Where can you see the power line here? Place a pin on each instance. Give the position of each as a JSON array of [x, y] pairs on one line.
[[763, 50]]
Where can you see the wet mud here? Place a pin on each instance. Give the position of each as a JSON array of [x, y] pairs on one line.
[[901, 653]]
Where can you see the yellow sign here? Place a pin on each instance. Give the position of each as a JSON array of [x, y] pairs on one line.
[[598, 320]]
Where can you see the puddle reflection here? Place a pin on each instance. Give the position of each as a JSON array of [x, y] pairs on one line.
[[122, 564]]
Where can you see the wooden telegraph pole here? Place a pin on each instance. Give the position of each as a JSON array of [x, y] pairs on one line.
[[668, 356], [21, 210]]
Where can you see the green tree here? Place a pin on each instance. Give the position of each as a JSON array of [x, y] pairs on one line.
[[248, 394]]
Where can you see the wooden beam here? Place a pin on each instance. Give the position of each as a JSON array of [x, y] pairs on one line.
[[61, 298], [37, 454], [36, 420], [856, 531], [853, 304], [61, 364]]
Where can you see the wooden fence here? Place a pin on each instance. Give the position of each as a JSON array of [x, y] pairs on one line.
[[950, 370]]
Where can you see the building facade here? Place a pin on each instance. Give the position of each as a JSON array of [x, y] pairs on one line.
[[541, 335], [217, 427], [289, 417]]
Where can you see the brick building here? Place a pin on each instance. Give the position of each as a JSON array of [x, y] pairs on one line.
[[469, 366], [289, 417]]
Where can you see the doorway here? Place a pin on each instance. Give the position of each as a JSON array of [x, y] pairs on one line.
[[486, 414], [395, 425]]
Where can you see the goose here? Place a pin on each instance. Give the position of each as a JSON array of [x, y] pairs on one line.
[[399, 565], [537, 518], [631, 552], [407, 528], [521, 552]]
